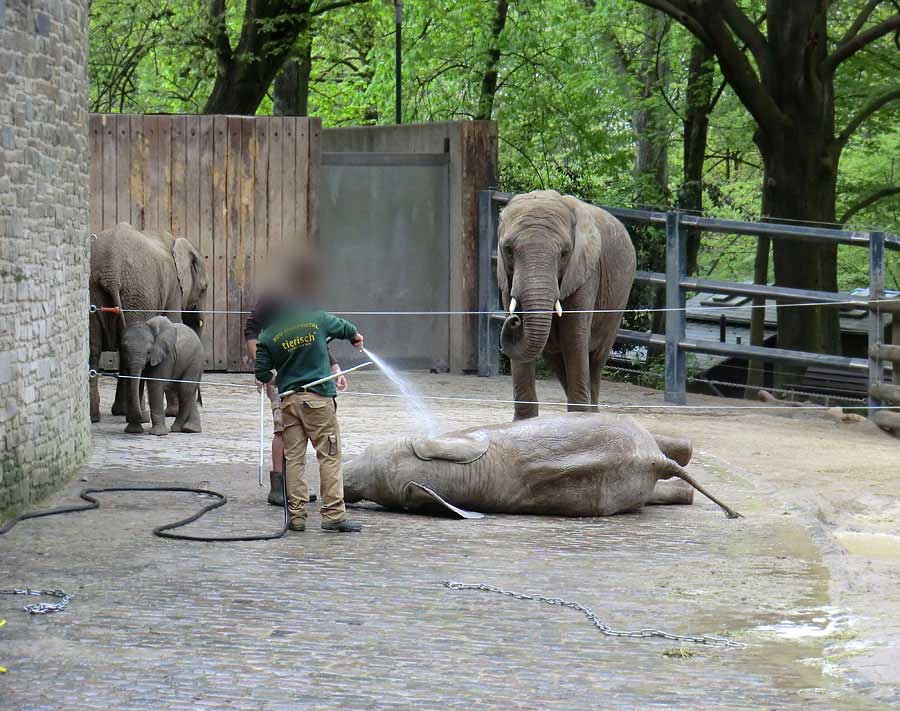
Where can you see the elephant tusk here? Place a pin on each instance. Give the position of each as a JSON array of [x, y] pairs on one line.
[[512, 306], [558, 308]]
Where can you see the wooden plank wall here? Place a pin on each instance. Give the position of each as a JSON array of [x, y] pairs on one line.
[[235, 186]]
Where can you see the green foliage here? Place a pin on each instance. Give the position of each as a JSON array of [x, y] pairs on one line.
[[575, 80]]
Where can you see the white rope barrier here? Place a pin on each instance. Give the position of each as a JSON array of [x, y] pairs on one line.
[[543, 403], [262, 420], [857, 302]]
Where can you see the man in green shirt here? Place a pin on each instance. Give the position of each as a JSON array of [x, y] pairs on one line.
[[295, 345]]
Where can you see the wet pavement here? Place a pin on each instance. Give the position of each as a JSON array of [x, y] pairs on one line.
[[321, 620]]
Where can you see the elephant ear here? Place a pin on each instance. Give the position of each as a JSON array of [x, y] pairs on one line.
[[457, 447], [502, 274], [184, 254], [164, 335], [586, 245]]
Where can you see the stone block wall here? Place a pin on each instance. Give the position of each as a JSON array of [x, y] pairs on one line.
[[44, 247]]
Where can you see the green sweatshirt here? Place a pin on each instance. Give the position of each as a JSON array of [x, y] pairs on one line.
[[295, 346]]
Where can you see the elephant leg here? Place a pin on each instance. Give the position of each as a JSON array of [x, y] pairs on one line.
[[145, 413], [156, 391], [574, 341], [95, 338], [172, 399], [598, 363], [671, 491], [120, 404], [524, 390], [188, 418], [675, 448]]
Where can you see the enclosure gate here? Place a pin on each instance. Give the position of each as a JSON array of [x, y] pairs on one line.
[[386, 240], [676, 283], [235, 186]]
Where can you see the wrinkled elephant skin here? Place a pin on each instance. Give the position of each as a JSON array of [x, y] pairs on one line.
[[579, 464]]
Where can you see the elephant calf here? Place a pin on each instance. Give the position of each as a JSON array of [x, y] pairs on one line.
[[588, 464], [158, 348]]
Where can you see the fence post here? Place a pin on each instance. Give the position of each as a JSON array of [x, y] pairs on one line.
[[876, 322], [488, 292], [676, 264]]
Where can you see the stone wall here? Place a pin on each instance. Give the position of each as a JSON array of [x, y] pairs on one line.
[[44, 247]]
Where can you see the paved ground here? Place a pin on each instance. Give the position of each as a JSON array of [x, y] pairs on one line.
[[319, 620]]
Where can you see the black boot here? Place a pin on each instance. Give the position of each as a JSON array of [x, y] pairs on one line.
[[276, 491]]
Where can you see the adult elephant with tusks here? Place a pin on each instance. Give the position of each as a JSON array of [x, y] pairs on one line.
[[559, 257]]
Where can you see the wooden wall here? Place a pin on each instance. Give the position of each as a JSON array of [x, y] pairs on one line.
[[235, 186]]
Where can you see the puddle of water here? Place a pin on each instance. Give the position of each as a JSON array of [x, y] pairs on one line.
[[882, 546], [809, 623]]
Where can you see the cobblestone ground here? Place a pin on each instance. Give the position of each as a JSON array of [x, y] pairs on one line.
[[323, 621]]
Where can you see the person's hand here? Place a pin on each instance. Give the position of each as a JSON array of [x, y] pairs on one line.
[[341, 381], [259, 386], [358, 341]]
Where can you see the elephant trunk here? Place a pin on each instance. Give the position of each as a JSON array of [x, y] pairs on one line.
[[133, 366], [525, 334]]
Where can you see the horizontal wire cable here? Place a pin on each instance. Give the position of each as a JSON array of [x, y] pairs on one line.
[[857, 302], [489, 401]]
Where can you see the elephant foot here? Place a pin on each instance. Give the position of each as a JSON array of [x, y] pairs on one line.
[[95, 417], [119, 410], [134, 428], [159, 430], [145, 417], [190, 428], [172, 411]]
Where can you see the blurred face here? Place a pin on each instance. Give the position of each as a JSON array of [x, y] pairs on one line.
[[295, 273]]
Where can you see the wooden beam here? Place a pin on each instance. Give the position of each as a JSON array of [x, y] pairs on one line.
[[885, 393], [886, 352]]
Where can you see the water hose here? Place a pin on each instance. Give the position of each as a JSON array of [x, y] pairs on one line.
[[163, 531]]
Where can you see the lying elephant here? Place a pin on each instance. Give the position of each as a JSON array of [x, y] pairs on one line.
[[579, 464]]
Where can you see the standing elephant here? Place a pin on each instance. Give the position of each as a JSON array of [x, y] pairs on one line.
[[158, 348], [153, 272], [559, 254]]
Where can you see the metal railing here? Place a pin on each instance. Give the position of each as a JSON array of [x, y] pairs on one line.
[[676, 282]]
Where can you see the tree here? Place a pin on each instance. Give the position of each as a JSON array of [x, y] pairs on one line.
[[785, 77], [269, 33]]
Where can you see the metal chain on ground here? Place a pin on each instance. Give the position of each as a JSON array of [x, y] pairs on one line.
[[595, 619], [42, 608]]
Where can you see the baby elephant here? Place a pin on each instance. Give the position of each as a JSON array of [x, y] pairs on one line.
[[158, 348], [587, 464]]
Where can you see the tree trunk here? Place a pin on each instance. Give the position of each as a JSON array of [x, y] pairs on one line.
[[291, 90], [756, 368], [489, 77], [651, 164], [245, 73], [698, 105], [800, 159]]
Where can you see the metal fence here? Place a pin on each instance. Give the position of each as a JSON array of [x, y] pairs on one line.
[[676, 282]]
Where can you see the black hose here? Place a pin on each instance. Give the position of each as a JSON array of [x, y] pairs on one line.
[[161, 531]]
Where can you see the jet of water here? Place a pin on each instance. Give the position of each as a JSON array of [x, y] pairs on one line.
[[425, 415]]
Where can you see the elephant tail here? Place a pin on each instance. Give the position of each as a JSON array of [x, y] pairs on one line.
[[117, 302], [666, 468]]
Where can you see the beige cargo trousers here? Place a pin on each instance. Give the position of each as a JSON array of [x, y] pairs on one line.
[[310, 417]]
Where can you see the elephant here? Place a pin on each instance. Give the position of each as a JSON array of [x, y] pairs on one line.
[[151, 271], [574, 464], [559, 254], [159, 348]]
